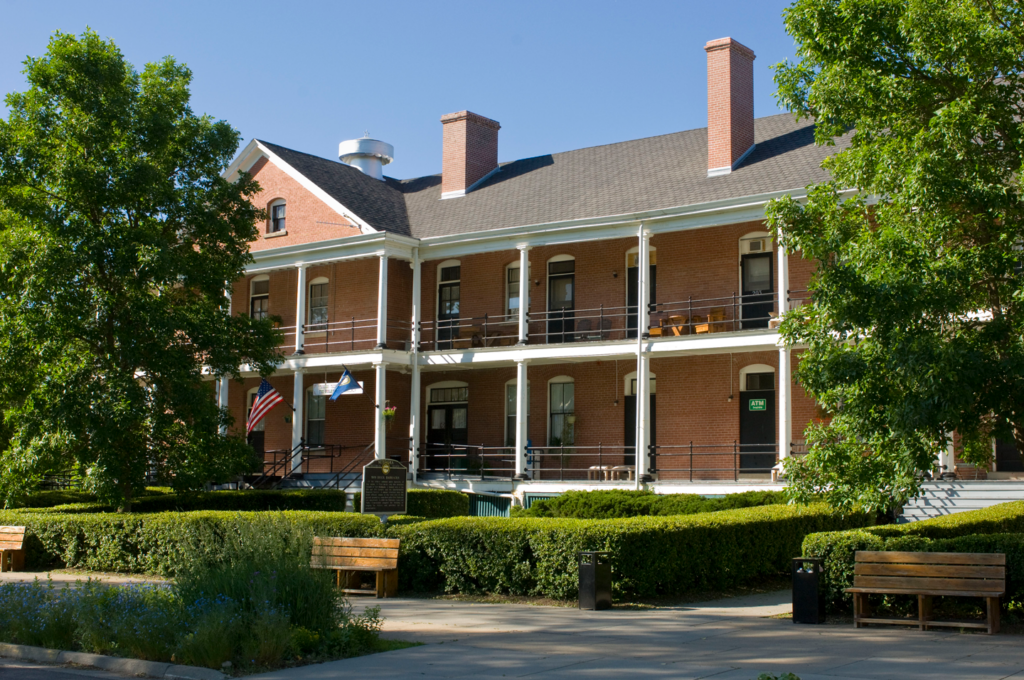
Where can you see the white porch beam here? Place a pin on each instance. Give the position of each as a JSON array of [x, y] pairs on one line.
[[643, 369], [382, 304], [300, 310], [522, 416], [380, 432], [414, 397], [785, 403], [298, 420], [524, 294]]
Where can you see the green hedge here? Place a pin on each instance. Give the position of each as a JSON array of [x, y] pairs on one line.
[[615, 503], [651, 556], [999, 528], [422, 502]]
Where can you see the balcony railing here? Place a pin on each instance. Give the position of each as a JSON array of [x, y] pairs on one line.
[[346, 336], [713, 315], [707, 462]]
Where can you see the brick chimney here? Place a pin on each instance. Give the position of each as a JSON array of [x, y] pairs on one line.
[[730, 104], [470, 151]]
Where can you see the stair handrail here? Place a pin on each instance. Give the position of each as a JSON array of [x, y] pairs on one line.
[[335, 481], [278, 465]]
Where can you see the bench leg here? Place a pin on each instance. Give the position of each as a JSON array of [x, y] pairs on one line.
[[391, 583], [349, 579], [381, 584], [861, 609], [993, 614], [924, 611]]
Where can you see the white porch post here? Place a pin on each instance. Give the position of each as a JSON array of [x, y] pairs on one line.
[[785, 437], [298, 419], [380, 432], [414, 398], [222, 399], [524, 294], [643, 368], [522, 416], [300, 311], [382, 305]]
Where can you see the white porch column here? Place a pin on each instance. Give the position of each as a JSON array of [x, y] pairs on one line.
[[522, 416], [946, 459], [785, 402], [300, 311], [414, 398], [222, 399], [298, 419], [524, 294], [643, 368], [380, 432], [382, 305]]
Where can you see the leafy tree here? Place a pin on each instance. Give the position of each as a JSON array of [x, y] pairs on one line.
[[917, 326], [117, 236]]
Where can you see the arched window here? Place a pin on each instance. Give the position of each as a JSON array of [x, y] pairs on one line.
[[259, 297], [629, 384], [316, 418], [512, 290], [277, 215], [318, 299], [561, 298], [757, 378], [757, 280], [511, 403], [561, 411]]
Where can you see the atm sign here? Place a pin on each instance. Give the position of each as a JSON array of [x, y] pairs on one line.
[[758, 404]]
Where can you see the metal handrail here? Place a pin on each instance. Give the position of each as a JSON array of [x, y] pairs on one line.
[[691, 453], [277, 465], [354, 464], [470, 453]]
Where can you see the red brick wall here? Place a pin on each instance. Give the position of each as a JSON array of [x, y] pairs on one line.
[[470, 149], [730, 101], [308, 219]]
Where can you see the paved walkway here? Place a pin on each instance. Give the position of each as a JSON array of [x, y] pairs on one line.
[[724, 640]]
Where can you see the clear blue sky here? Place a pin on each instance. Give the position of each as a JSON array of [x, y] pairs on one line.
[[557, 75]]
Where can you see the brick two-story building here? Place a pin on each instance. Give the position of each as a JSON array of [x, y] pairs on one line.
[[551, 377]]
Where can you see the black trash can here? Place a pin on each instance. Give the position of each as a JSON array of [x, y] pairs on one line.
[[595, 580], [808, 600]]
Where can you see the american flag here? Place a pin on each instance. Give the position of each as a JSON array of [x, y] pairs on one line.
[[266, 398]]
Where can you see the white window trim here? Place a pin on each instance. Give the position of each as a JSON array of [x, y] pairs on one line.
[[309, 305], [509, 291], [442, 385], [635, 250], [270, 218], [437, 287], [627, 384], [547, 280], [507, 414], [742, 245], [252, 282], [547, 399], [305, 416], [756, 368]]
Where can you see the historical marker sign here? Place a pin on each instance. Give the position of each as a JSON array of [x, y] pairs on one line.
[[385, 488]]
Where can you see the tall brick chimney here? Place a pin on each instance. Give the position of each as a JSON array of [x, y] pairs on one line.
[[470, 151], [730, 104]]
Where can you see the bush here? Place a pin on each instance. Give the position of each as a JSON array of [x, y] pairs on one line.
[[613, 503], [999, 527], [422, 502], [651, 556]]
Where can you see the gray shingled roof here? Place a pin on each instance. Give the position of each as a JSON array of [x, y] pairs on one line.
[[667, 171]]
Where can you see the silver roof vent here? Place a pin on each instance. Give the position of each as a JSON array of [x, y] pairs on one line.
[[368, 155]]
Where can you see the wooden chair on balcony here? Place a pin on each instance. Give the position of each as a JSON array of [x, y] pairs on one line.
[[676, 325], [700, 325], [716, 318]]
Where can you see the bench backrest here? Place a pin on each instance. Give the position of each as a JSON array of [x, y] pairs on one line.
[[12, 538], [355, 553], [952, 572]]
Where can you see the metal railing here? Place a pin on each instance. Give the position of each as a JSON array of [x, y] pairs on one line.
[[713, 315], [584, 325], [355, 465], [570, 462], [471, 331], [462, 461], [275, 469], [346, 335], [712, 461]]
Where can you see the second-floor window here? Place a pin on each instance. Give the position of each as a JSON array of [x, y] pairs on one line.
[[316, 418], [259, 299], [277, 217], [317, 307], [562, 414]]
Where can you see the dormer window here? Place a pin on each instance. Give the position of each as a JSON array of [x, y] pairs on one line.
[[277, 217]]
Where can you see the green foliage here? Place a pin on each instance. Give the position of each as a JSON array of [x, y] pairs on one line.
[[118, 235], [999, 528], [612, 503], [433, 503], [651, 556], [917, 324]]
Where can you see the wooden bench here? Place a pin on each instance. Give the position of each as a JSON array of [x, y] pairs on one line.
[[928, 575], [350, 556], [12, 548]]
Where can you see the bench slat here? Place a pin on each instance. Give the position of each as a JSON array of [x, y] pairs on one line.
[[910, 582], [13, 530], [358, 542], [922, 591], [334, 562], [929, 570], [356, 552], [930, 558]]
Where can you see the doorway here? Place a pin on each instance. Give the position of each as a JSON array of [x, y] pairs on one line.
[[758, 290], [447, 427], [561, 301], [1008, 459], [629, 427], [757, 423], [449, 294], [633, 289]]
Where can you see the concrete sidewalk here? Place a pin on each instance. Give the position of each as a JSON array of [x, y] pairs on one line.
[[725, 640]]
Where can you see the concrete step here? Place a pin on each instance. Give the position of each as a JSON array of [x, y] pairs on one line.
[[944, 498]]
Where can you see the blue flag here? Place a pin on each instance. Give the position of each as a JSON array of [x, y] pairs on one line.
[[346, 383]]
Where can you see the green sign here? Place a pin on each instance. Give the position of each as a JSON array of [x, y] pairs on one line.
[[758, 404]]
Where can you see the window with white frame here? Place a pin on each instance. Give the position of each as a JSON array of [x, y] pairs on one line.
[[561, 412], [316, 418], [512, 291], [277, 215], [317, 306], [259, 297], [511, 402]]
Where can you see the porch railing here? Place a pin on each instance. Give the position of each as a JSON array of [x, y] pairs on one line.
[[696, 316], [707, 462], [347, 335]]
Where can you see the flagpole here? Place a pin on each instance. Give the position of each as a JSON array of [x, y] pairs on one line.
[[375, 404]]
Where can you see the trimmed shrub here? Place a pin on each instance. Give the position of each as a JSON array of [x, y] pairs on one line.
[[422, 502], [999, 528], [614, 503], [651, 556]]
